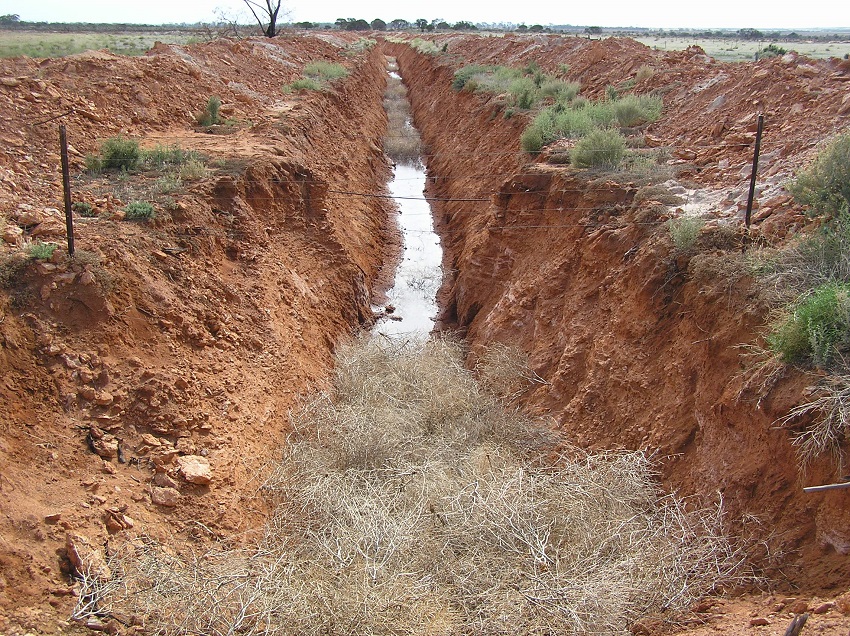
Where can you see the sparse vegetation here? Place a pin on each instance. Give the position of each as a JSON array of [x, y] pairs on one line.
[[684, 231], [426, 47], [83, 209], [139, 210], [829, 412], [633, 110], [39, 251], [771, 50], [825, 185], [644, 73], [303, 84], [525, 87], [317, 77], [816, 329], [120, 154], [599, 149], [192, 170], [325, 71], [210, 115], [573, 117], [168, 157], [410, 501]]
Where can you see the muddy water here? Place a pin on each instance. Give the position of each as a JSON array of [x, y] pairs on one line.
[[411, 306]]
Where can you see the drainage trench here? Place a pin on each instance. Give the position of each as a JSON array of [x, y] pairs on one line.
[[411, 306]]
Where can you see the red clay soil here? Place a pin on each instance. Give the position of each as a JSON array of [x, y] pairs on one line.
[[189, 336], [642, 347]]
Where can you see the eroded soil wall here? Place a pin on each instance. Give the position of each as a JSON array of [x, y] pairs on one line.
[[640, 347], [192, 335]]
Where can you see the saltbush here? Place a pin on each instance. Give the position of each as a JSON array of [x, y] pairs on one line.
[[633, 110], [602, 148], [304, 84], [120, 154], [41, 251], [466, 73], [825, 185], [684, 231], [817, 329], [210, 115], [139, 210]]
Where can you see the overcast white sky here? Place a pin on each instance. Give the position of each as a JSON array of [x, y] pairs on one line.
[[669, 14]]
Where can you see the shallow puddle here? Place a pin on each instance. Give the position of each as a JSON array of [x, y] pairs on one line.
[[413, 296]]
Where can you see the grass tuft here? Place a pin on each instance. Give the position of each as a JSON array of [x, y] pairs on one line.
[[684, 231], [602, 148], [139, 210]]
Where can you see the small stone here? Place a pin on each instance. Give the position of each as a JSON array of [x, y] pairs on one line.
[[759, 622], [50, 227], [87, 393], [103, 398], [800, 606], [53, 518], [10, 82], [823, 608], [12, 234], [29, 216], [168, 497], [185, 446], [164, 481], [195, 469], [106, 447], [151, 440], [86, 278]]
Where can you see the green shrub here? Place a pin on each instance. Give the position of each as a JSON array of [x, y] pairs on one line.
[[120, 153], [817, 329], [164, 157], [83, 209], [532, 139], [825, 185], [304, 84], [426, 47], [684, 231], [210, 115], [771, 50], [93, 164], [599, 149], [325, 71], [137, 210], [192, 170], [559, 90], [41, 251], [633, 110], [524, 93], [466, 73]]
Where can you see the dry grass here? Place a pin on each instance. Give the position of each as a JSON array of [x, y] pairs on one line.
[[410, 502], [830, 425]]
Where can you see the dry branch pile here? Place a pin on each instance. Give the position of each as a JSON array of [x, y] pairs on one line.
[[410, 502]]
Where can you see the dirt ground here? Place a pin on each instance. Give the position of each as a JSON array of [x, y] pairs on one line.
[[183, 342]]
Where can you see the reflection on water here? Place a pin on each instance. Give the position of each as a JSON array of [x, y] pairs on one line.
[[419, 274]]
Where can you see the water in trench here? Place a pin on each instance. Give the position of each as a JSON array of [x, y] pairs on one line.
[[411, 303]]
